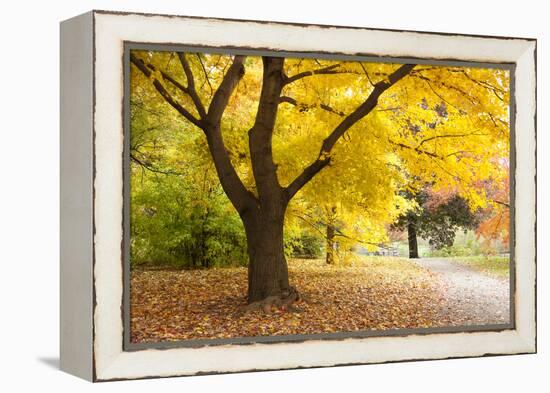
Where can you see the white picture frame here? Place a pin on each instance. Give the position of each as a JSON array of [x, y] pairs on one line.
[[92, 181]]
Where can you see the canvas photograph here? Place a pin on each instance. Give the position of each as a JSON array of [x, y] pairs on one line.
[[286, 196]]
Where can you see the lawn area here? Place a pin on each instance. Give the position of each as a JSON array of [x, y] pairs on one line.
[[372, 293], [498, 267]]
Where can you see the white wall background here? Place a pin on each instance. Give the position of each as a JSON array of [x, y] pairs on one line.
[[29, 183]]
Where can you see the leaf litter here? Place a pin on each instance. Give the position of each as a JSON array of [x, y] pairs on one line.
[[371, 294]]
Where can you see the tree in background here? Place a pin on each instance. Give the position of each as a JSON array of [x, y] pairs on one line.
[[436, 217], [274, 127]]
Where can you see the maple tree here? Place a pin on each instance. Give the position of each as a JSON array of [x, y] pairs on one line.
[[286, 135]]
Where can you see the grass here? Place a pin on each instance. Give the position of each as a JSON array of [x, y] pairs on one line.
[[498, 267]]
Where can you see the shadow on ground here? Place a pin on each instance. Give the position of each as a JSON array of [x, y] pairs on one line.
[[52, 362]]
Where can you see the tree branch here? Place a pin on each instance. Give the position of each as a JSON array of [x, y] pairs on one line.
[[148, 72], [338, 232], [325, 107], [191, 85], [206, 74], [241, 198], [189, 90], [366, 74], [502, 203], [448, 136], [495, 90], [260, 135], [437, 94], [417, 149], [364, 109], [320, 71], [456, 153], [224, 91], [150, 167]]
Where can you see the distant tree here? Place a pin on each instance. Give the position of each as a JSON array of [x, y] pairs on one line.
[[436, 218]]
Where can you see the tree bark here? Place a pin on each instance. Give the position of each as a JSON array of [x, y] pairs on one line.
[[413, 242], [331, 232], [267, 267], [330, 244]]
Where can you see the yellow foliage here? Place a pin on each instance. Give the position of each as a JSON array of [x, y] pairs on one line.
[[439, 125]]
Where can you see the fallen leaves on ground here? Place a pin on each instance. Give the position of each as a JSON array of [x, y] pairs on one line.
[[374, 294]]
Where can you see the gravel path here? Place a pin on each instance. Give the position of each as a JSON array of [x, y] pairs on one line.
[[471, 297]]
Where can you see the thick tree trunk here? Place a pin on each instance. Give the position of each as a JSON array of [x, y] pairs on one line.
[[267, 267], [413, 242]]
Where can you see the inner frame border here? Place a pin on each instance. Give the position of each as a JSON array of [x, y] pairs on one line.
[[128, 46]]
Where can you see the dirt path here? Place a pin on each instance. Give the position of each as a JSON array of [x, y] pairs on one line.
[[471, 297]]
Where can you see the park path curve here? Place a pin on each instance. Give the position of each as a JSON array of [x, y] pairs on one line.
[[471, 297]]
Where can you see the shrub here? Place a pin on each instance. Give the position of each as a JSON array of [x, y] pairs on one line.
[[308, 246]]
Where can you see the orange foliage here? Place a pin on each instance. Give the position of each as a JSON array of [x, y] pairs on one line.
[[496, 225]]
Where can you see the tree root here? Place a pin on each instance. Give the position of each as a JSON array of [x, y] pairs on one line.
[[283, 301]]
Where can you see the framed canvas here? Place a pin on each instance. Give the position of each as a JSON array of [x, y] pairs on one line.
[[247, 195]]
